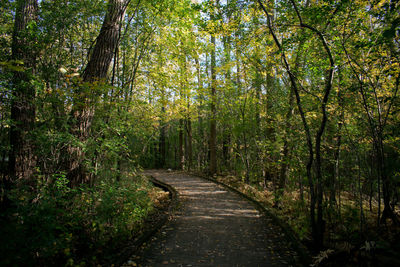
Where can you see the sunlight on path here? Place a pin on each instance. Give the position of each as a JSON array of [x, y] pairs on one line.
[[214, 227]]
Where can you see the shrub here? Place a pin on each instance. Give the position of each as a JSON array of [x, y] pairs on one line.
[[60, 225]]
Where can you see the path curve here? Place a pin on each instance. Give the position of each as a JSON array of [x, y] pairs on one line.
[[213, 227]]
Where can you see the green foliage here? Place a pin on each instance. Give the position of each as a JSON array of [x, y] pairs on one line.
[[296, 214], [161, 77], [60, 225]]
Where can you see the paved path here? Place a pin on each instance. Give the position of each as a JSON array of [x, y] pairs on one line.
[[213, 227]]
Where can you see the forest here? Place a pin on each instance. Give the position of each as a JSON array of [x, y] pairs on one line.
[[294, 102]]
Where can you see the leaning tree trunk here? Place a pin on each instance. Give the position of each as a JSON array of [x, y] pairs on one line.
[[22, 160], [96, 70]]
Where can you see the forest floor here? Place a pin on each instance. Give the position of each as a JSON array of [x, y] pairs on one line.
[[213, 227]]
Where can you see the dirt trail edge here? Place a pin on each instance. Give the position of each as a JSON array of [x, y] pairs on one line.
[[213, 227]]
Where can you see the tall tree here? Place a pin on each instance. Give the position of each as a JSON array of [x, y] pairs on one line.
[[317, 190], [22, 159], [213, 118], [95, 71]]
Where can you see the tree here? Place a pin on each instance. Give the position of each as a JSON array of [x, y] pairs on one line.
[[317, 190], [22, 159], [375, 70], [213, 101], [95, 71]]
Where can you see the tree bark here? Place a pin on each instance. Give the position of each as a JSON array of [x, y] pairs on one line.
[[162, 146], [226, 135], [213, 123], [22, 159], [336, 172], [200, 131], [318, 159], [96, 70], [189, 142], [313, 191], [284, 168], [180, 149]]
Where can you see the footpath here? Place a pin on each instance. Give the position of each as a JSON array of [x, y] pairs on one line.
[[213, 227]]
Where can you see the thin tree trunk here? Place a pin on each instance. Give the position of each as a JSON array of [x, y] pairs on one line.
[[336, 173], [180, 148], [161, 159], [213, 123], [318, 164], [189, 143], [360, 195], [226, 135], [377, 126], [162, 150], [257, 82], [245, 152], [288, 125], [286, 149], [303, 118], [200, 118], [188, 121]]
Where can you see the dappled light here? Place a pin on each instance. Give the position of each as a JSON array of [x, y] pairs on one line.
[[214, 227], [294, 104]]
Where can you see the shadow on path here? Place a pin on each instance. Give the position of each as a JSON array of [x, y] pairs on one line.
[[213, 227]]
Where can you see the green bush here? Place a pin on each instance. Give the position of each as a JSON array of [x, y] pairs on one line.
[[60, 225]]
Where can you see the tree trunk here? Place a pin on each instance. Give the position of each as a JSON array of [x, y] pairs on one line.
[[201, 149], [386, 186], [304, 121], [318, 238], [377, 125], [336, 172], [226, 135], [213, 123], [96, 70], [189, 143], [180, 149], [286, 149], [288, 126], [22, 159], [162, 150]]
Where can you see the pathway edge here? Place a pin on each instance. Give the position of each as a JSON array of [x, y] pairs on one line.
[[129, 250], [290, 235]]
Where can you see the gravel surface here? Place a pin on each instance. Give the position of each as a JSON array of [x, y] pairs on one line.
[[213, 227]]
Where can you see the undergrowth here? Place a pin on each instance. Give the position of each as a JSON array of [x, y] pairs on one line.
[[58, 225], [348, 242]]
